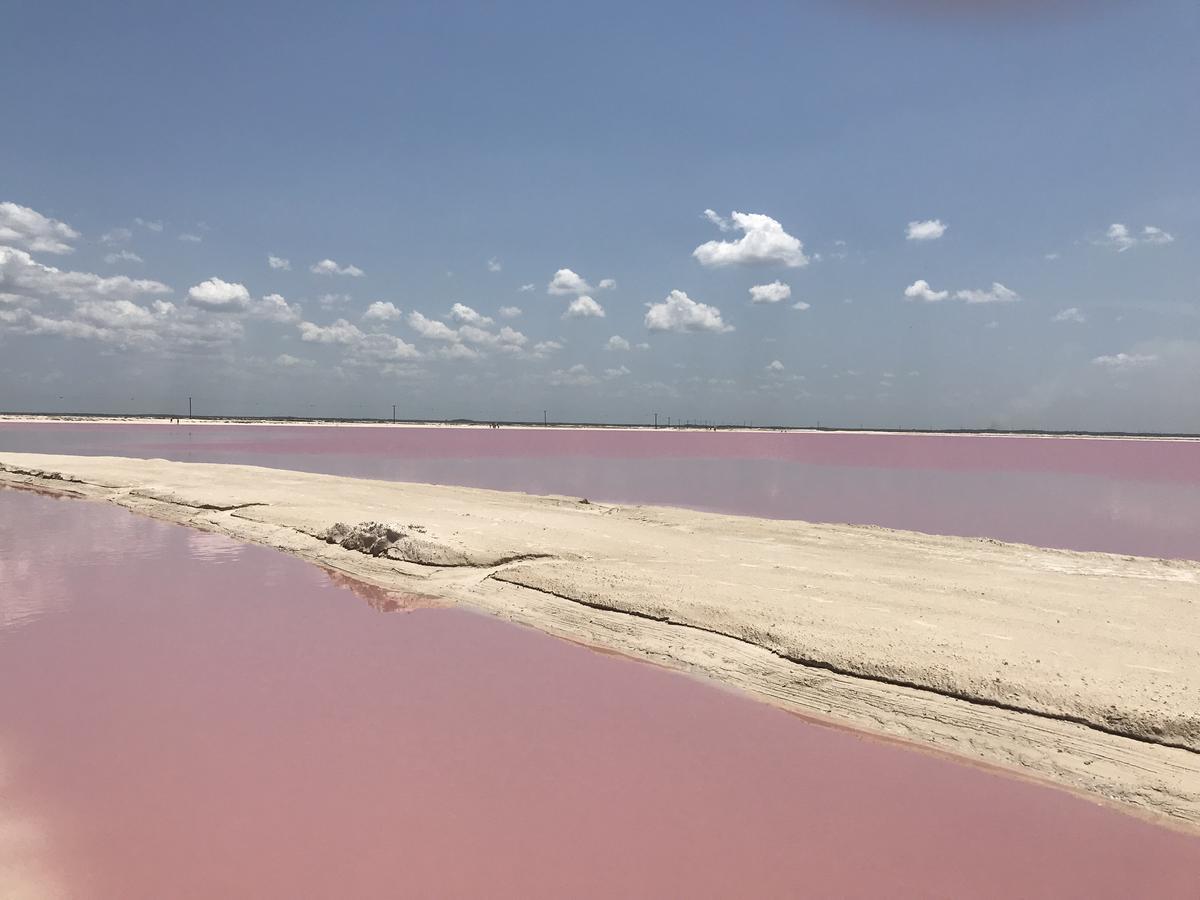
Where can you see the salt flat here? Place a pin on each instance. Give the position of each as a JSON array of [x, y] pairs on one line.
[[1079, 668]]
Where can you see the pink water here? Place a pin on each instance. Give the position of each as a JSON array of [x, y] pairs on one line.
[[184, 716], [1120, 496]]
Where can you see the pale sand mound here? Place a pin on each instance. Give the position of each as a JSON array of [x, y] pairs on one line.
[[1054, 652]]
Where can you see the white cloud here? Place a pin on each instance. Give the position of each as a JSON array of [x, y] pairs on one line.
[[526, 288], [775, 366], [217, 295], [122, 256], [381, 311], [274, 308], [607, 284], [1071, 314], [775, 292], [545, 348], [680, 313], [332, 301], [713, 216], [340, 332], [464, 314], [763, 242], [1152, 235], [567, 282], [116, 236], [616, 342], [329, 267], [801, 305], [1120, 238], [31, 230], [997, 293], [1123, 362], [190, 238], [287, 361], [584, 308], [431, 328], [618, 372], [25, 281], [1051, 257], [114, 314], [155, 226], [920, 290], [493, 265], [576, 376], [371, 347], [510, 312], [927, 230], [278, 262]]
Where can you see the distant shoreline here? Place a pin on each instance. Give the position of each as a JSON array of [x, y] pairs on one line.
[[101, 419]]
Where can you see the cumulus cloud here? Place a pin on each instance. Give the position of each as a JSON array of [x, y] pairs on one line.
[[217, 295], [330, 267], [775, 366], [567, 282], [618, 372], [1072, 314], [926, 230], [381, 311], [584, 308], [332, 301], [920, 290], [462, 313], [189, 238], [122, 256], [431, 328], [287, 361], [546, 348], [763, 242], [510, 312], [713, 216], [274, 308], [775, 292], [372, 347], [997, 293], [116, 236], [616, 342], [1120, 238], [801, 305], [493, 265], [278, 262], [607, 284], [151, 225], [1124, 362], [680, 313], [25, 282], [526, 288], [29, 229], [576, 376]]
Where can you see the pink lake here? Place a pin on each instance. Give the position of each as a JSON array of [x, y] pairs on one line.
[[185, 716], [1115, 495]]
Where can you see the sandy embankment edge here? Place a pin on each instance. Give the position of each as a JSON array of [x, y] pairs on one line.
[[454, 424], [1075, 668]]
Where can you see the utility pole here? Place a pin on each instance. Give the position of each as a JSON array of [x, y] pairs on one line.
[[189, 407], [544, 418], [656, 420], [393, 413]]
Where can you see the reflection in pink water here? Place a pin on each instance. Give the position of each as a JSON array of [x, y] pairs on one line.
[[1121, 496], [184, 716]]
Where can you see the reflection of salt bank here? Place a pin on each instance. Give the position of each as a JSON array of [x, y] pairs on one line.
[[24, 848], [382, 599], [212, 546]]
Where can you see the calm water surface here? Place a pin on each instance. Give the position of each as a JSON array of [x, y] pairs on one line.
[[185, 716], [1119, 496]]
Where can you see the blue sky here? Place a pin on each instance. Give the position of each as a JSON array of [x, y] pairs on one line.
[[455, 153]]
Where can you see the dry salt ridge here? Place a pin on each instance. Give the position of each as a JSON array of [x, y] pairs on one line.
[[1079, 669]]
